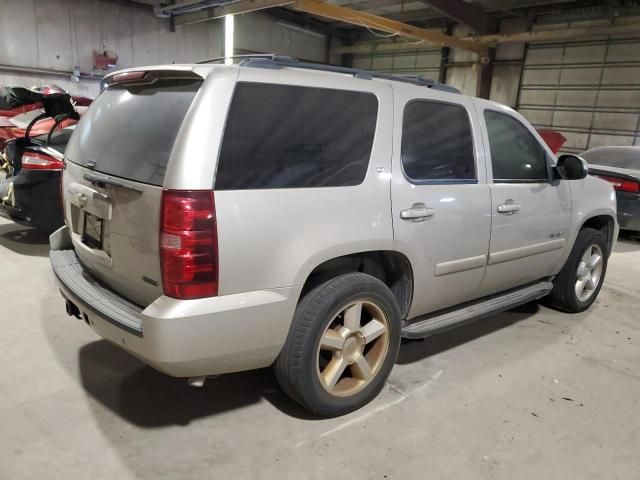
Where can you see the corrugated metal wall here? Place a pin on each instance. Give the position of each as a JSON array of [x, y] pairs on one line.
[[60, 34], [589, 91], [258, 33], [424, 62]]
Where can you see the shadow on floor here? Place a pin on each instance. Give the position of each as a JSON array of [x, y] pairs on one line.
[[24, 240], [150, 399], [414, 351], [628, 242]]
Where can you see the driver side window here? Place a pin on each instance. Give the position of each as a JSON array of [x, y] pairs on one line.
[[516, 155]]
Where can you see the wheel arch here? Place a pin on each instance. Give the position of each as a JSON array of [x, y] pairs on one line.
[[604, 223], [389, 266]]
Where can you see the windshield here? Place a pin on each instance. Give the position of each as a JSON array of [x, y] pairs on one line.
[[129, 132], [614, 157], [59, 139]]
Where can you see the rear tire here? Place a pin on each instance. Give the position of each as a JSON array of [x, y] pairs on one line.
[[342, 345], [580, 280]]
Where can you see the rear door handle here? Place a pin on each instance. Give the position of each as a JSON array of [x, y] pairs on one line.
[[509, 208], [417, 213]]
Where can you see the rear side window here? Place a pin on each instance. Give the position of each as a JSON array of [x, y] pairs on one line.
[[283, 136], [437, 144], [130, 132], [515, 153]]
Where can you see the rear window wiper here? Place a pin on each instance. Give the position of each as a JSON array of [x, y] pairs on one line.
[[101, 182]]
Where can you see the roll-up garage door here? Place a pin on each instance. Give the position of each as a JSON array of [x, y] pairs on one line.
[[589, 91]]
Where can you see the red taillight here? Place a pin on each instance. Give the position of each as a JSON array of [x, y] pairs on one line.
[[621, 184], [40, 161], [189, 244]]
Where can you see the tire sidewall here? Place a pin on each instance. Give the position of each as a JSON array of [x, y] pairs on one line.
[[312, 390], [586, 238]]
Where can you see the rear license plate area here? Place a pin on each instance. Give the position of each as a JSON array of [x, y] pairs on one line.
[[93, 231]]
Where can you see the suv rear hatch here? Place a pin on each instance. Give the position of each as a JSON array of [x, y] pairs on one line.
[[112, 185]]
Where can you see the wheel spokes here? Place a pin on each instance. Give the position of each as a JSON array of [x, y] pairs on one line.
[[372, 330], [361, 368], [589, 274], [580, 287], [352, 316], [332, 372], [331, 341], [353, 347]]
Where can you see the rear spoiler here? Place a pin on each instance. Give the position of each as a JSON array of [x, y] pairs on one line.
[[609, 173], [148, 76]]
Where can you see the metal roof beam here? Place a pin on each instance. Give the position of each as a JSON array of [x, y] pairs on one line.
[[465, 14], [236, 8]]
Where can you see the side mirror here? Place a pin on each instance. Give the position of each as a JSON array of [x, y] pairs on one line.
[[571, 167]]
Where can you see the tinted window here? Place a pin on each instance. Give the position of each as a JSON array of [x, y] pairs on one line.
[[130, 132], [436, 142], [281, 136], [515, 153]]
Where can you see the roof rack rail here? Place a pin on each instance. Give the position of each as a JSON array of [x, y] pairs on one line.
[[274, 61], [248, 56]]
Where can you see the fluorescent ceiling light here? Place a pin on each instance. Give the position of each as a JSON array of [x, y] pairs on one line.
[[228, 39]]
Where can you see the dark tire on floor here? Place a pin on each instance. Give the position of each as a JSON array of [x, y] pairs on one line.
[[564, 295], [323, 340]]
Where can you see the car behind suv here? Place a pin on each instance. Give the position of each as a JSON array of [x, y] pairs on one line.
[[226, 218]]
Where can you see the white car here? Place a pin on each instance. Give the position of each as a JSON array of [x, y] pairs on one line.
[[226, 218]]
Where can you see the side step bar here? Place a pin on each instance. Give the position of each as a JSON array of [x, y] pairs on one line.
[[428, 325]]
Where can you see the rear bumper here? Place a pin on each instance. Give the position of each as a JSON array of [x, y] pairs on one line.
[[182, 338]]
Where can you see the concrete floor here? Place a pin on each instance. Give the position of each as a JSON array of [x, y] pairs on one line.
[[530, 393]]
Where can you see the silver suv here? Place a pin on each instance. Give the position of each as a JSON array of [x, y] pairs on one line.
[[226, 218]]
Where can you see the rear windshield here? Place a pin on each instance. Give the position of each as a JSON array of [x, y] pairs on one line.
[[130, 132], [58, 141], [285, 136]]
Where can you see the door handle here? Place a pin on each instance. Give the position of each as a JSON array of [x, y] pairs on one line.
[[417, 213], [509, 208]]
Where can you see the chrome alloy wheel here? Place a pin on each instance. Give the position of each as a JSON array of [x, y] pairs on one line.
[[589, 273], [353, 348]]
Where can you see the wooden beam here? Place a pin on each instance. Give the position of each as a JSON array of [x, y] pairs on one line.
[[335, 12], [465, 14], [382, 47], [528, 37], [560, 34], [243, 6]]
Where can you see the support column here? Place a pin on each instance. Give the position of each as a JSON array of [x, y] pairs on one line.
[[485, 74]]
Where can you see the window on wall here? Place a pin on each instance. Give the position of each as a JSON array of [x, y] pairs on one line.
[[283, 136], [437, 144], [515, 152]]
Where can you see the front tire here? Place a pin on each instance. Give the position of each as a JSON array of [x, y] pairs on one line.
[[342, 345], [580, 280]]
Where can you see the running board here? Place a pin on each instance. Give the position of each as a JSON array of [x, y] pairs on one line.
[[425, 327]]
